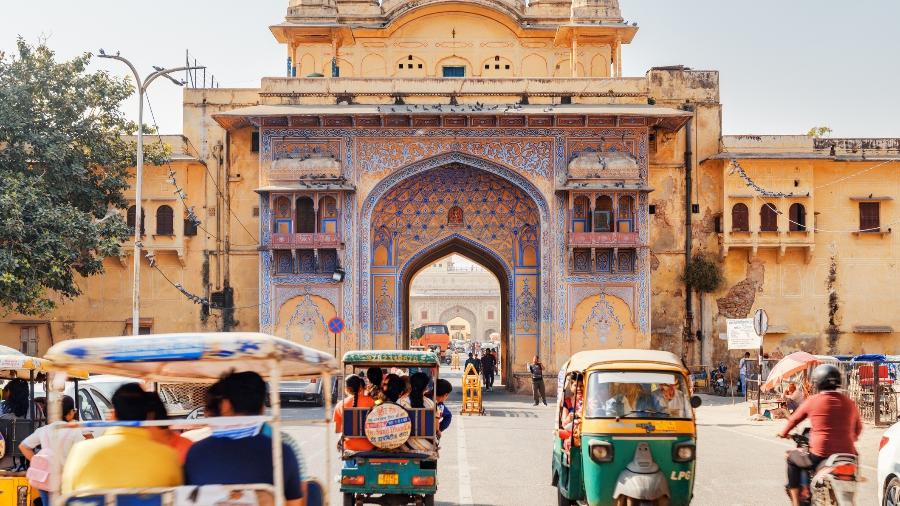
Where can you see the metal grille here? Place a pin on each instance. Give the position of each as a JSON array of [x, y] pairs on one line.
[[869, 216], [188, 396]]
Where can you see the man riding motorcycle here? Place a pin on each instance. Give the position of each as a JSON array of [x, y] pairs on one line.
[[835, 421]]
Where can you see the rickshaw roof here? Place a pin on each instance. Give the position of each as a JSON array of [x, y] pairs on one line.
[[391, 357], [19, 365], [193, 357], [624, 359]]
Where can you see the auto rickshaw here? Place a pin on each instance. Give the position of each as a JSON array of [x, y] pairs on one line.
[[625, 430], [14, 487], [391, 473], [196, 358]]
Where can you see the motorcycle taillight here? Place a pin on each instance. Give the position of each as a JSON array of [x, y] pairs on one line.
[[844, 472]]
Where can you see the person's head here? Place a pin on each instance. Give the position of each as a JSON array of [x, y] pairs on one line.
[[68, 409], [131, 403], [375, 376], [394, 387], [537, 359], [353, 386], [156, 407], [826, 377], [746, 354], [470, 354], [212, 406], [243, 394], [442, 390], [791, 388], [668, 390], [418, 382]]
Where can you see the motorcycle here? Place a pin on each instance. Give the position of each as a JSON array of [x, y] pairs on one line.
[[832, 483], [720, 386]]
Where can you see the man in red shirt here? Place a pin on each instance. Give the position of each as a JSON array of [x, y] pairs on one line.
[[835, 424]]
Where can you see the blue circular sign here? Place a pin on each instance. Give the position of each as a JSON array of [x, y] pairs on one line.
[[336, 325]]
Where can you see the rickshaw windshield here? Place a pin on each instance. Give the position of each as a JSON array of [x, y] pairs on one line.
[[636, 394]]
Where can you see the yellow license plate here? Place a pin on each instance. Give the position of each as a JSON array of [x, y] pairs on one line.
[[389, 479], [665, 426]]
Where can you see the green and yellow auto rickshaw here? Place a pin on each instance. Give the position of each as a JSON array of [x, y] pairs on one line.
[[625, 429]]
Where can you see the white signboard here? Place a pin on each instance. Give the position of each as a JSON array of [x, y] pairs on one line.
[[741, 335]]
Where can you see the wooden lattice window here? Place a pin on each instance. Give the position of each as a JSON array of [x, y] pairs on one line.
[[130, 218], [797, 217], [306, 216], [869, 217], [768, 218], [603, 215], [164, 220], [740, 218]]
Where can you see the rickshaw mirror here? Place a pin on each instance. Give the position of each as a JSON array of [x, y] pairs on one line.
[[696, 401]]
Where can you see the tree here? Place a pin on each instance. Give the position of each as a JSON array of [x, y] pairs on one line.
[[819, 132], [64, 160]]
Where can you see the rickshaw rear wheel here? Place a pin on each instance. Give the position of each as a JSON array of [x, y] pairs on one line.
[[562, 500], [349, 499], [429, 500]]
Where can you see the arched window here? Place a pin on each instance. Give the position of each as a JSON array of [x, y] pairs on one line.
[[306, 216], [164, 218], [130, 219], [282, 224], [768, 218], [603, 214], [625, 222], [581, 214], [797, 216], [740, 218]]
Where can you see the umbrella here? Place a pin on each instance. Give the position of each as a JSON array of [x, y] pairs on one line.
[[788, 366]]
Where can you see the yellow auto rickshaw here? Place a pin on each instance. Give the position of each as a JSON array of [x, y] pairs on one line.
[[625, 430]]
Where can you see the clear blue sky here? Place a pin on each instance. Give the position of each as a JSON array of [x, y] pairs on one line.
[[785, 65]]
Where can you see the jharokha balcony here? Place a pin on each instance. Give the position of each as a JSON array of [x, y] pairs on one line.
[[604, 239], [306, 241]]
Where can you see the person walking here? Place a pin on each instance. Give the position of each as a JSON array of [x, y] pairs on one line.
[[488, 367], [536, 369], [742, 369]]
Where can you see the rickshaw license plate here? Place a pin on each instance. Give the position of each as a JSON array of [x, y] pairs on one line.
[[388, 479]]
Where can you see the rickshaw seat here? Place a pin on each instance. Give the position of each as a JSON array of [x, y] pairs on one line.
[[355, 421], [121, 500], [314, 493], [375, 454], [422, 422]]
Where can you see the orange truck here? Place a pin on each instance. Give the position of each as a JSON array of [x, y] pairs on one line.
[[431, 334]]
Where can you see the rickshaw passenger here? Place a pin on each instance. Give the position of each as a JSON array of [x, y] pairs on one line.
[[441, 392], [670, 399], [229, 458], [164, 435], [15, 400], [394, 388], [123, 457], [44, 437], [375, 376], [416, 400], [356, 398]]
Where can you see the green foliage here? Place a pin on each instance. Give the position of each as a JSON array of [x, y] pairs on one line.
[[64, 162], [818, 132], [703, 274]]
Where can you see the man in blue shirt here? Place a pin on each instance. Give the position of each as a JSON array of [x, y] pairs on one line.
[[441, 392], [241, 457]]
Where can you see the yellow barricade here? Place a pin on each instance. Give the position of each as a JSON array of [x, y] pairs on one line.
[[471, 394]]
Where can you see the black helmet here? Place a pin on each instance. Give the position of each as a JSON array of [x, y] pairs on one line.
[[826, 377]]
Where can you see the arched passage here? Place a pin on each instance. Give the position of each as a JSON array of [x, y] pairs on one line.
[[459, 311], [478, 254]]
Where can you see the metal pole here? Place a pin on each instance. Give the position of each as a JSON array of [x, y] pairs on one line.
[[759, 379], [139, 178]]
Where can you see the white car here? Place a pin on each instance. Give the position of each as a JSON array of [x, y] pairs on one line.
[[889, 467]]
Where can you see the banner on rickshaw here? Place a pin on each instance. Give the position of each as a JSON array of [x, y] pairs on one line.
[[388, 426], [742, 335]]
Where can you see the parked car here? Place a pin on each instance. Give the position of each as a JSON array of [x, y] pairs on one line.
[[889, 467], [309, 391]]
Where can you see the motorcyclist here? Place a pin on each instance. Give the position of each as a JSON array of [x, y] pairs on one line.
[[835, 422]]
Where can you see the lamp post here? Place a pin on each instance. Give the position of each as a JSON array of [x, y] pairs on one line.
[[139, 174]]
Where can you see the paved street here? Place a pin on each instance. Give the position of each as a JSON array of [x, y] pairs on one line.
[[503, 458]]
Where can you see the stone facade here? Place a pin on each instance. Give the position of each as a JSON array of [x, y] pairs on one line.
[[506, 133]]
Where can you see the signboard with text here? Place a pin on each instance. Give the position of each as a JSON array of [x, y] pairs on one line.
[[741, 334]]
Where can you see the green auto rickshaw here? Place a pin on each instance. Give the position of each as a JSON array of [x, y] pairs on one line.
[[625, 430]]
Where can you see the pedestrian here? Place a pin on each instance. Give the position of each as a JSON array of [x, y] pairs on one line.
[[475, 361], [454, 360], [41, 474], [742, 369], [536, 369], [488, 368]]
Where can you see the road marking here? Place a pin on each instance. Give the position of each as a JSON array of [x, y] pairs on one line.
[[774, 441], [462, 462]]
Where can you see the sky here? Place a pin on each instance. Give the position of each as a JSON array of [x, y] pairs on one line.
[[785, 66]]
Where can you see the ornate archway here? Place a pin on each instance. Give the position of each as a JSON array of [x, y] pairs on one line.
[[484, 212], [458, 311]]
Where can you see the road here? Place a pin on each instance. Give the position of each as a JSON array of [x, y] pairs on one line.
[[503, 458]]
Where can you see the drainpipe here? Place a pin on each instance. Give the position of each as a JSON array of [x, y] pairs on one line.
[[228, 312], [688, 225]]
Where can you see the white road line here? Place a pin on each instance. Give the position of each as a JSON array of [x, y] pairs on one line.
[[462, 462], [773, 440]]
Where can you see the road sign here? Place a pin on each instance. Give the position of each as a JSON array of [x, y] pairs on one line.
[[761, 322], [741, 335], [336, 325]]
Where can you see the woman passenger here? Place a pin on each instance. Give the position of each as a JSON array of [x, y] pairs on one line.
[[394, 388], [356, 398], [375, 377], [418, 382]]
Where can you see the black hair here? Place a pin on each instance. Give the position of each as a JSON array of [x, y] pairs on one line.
[[156, 409], [214, 396], [470, 354], [18, 397], [443, 387], [130, 403], [68, 404], [418, 382], [375, 376], [355, 384], [246, 391], [394, 388]]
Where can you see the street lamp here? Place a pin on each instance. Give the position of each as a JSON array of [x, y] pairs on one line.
[[139, 174]]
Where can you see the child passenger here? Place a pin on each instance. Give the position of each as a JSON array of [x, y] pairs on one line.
[[356, 398], [418, 382]]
